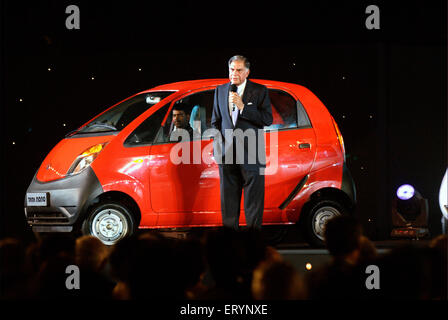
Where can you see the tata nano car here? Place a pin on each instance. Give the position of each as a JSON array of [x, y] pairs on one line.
[[117, 173]]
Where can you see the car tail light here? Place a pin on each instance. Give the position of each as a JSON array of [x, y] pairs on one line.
[[339, 135]]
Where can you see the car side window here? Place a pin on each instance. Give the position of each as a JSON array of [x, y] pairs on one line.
[[201, 114], [198, 108], [147, 130], [284, 110]]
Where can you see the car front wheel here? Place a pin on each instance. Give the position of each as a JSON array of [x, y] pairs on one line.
[[109, 222]]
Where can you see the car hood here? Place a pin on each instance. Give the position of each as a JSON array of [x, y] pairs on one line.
[[62, 156]]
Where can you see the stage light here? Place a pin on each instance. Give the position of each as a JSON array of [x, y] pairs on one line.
[[409, 213], [443, 201], [405, 192]]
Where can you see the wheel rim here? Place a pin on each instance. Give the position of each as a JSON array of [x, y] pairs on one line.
[[321, 217], [109, 225]]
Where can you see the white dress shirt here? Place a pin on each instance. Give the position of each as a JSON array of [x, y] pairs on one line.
[[240, 91]]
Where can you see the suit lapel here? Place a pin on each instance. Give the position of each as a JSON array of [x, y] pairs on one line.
[[225, 107], [247, 92], [246, 98]]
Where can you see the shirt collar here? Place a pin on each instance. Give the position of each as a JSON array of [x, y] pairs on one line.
[[241, 87]]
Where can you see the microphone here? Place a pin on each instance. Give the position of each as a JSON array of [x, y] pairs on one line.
[[233, 88]]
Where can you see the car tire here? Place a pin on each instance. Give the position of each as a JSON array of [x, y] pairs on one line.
[[317, 215], [110, 222]]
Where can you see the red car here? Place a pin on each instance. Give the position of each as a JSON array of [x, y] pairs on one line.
[[115, 174]]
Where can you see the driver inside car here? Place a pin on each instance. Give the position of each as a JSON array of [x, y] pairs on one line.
[[181, 121]]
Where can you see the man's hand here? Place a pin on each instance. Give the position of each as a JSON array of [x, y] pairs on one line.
[[236, 100]]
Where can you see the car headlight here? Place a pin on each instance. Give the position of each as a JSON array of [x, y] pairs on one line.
[[85, 159]]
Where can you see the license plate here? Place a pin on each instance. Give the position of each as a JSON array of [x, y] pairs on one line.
[[36, 199]]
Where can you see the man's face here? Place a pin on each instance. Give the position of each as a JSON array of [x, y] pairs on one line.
[[238, 72], [180, 119]]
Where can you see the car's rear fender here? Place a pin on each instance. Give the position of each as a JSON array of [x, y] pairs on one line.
[[332, 182]]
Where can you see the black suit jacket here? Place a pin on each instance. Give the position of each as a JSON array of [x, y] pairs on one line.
[[256, 114]]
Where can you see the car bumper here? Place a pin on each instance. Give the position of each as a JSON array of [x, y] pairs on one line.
[[67, 199]]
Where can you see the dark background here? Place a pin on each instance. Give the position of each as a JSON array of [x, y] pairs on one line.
[[385, 88]]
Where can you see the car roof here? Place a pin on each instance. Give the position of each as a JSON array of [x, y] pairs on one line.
[[196, 84]]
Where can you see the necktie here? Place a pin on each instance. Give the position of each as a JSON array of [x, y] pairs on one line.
[[235, 115]]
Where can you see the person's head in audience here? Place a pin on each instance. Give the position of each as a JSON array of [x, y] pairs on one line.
[[405, 273], [90, 253], [232, 257], [277, 280], [192, 267], [368, 250], [56, 244], [148, 266], [343, 236]]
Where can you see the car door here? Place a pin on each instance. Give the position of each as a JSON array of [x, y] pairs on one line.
[[184, 179], [135, 161], [290, 150]]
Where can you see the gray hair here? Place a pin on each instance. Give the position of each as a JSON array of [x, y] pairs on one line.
[[240, 58]]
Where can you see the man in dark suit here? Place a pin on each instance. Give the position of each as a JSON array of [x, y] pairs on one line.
[[240, 115]]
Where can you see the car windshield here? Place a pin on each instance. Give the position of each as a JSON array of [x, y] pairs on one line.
[[124, 113]]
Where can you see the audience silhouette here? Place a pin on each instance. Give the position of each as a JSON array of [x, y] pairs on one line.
[[222, 264]]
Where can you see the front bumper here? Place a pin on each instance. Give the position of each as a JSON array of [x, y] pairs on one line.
[[67, 199]]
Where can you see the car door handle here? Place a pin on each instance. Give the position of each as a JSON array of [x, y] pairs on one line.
[[304, 146]]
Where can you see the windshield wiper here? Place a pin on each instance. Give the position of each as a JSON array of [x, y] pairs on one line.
[[94, 124], [98, 124], [71, 133]]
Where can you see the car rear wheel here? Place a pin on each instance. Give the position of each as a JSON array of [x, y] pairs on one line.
[[110, 222], [316, 218]]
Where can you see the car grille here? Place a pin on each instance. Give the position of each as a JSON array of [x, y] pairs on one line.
[[46, 218]]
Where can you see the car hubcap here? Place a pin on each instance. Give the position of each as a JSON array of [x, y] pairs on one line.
[[320, 219], [109, 226]]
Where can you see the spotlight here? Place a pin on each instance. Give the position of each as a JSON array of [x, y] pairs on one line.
[[409, 214], [405, 192]]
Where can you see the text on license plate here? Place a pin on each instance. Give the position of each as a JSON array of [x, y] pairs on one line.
[[36, 199]]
